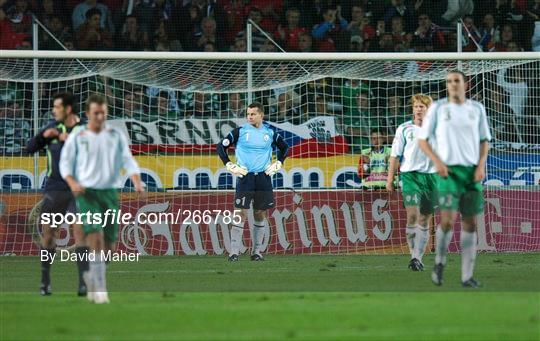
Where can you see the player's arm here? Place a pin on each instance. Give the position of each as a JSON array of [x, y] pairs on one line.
[[130, 165], [485, 137], [281, 154], [221, 149], [398, 145], [68, 158], [428, 131], [38, 142]]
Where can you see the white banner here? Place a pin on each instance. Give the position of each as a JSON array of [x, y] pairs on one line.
[[211, 131]]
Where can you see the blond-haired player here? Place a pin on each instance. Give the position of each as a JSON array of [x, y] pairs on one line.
[[418, 180]]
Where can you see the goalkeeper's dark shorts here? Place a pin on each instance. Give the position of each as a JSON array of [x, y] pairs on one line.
[[58, 201], [256, 187]]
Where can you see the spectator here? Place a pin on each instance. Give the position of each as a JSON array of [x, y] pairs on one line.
[[533, 11], [471, 35], [402, 39], [236, 12], [236, 106], [199, 100], [331, 32], [317, 108], [516, 88], [507, 35], [513, 47], [207, 35], [500, 117], [359, 25], [356, 44], [132, 38], [162, 42], [510, 12], [58, 30], [12, 33], [490, 34], [47, 12], [457, 9], [69, 44], [153, 94], [160, 109], [20, 12], [79, 15], [384, 44], [209, 47], [270, 11], [287, 109], [150, 13], [357, 122], [428, 35], [373, 163], [395, 112], [132, 105], [535, 40], [399, 8], [288, 36], [257, 38], [349, 93], [90, 35], [268, 46], [305, 43], [239, 45]]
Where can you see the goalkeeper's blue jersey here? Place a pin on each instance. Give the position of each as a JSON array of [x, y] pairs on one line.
[[253, 146]]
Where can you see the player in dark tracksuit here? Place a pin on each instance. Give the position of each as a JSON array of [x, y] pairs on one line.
[[254, 143], [57, 197]]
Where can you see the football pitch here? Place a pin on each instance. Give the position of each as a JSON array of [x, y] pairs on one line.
[[285, 297]]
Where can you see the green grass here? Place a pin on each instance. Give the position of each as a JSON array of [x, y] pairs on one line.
[[286, 297]]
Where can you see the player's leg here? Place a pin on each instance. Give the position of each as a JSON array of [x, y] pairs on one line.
[[449, 191], [427, 208], [443, 237], [90, 201], [413, 213], [411, 193], [95, 277], [263, 200], [48, 249], [258, 234], [422, 237], [52, 204], [237, 234], [82, 256], [242, 201], [471, 205]]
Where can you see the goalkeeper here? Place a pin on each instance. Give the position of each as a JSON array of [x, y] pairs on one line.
[[254, 142], [418, 178]]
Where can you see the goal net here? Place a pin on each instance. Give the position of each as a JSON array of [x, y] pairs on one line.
[[330, 112]]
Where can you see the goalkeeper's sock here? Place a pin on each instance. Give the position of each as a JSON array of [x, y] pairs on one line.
[[97, 268], [258, 236], [468, 254], [46, 266], [420, 241], [443, 239], [82, 261], [410, 231], [237, 233]]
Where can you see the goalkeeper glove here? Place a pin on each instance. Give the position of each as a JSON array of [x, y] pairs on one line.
[[273, 168], [235, 169]]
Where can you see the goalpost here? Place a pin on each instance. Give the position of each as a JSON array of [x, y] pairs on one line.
[[174, 108]]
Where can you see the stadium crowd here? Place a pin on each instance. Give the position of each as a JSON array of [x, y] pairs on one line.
[[296, 25]]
